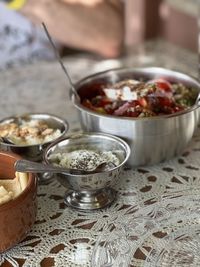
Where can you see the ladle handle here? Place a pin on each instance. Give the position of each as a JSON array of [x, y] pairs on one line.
[[60, 61], [23, 165]]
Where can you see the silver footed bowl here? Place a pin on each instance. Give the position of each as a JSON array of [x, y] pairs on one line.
[[95, 190]]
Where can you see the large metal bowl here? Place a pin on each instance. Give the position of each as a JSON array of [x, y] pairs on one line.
[[153, 139]]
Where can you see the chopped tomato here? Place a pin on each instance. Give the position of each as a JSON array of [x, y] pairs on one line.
[[142, 102], [165, 101], [163, 84]]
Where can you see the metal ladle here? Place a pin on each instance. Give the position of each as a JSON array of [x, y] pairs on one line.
[[35, 167], [60, 61], [6, 140]]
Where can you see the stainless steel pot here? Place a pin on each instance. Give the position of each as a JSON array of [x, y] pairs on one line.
[[153, 139]]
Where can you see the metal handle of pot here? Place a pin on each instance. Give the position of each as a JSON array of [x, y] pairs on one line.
[[74, 96]]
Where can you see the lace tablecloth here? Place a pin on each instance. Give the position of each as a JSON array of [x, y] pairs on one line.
[[64, 237]]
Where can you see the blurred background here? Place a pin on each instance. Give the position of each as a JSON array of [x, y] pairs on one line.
[[103, 28], [173, 20]]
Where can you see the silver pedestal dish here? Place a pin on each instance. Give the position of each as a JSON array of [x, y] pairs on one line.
[[154, 139], [90, 191]]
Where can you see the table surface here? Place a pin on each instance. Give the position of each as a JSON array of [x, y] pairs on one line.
[[62, 236]]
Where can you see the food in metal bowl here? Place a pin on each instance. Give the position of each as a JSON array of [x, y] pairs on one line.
[[136, 98], [29, 132], [156, 128], [85, 159]]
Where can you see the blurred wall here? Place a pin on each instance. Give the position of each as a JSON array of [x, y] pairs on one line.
[[175, 21], [141, 20], [178, 25]]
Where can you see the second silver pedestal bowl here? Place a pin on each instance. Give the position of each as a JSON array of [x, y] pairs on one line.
[[95, 190]]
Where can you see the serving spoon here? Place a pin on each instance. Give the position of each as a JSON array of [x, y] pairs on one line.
[[35, 167], [60, 61], [6, 140]]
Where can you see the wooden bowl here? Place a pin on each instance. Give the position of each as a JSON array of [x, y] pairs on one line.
[[18, 215]]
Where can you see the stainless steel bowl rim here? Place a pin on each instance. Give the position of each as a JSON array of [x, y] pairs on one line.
[[78, 105], [62, 121]]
